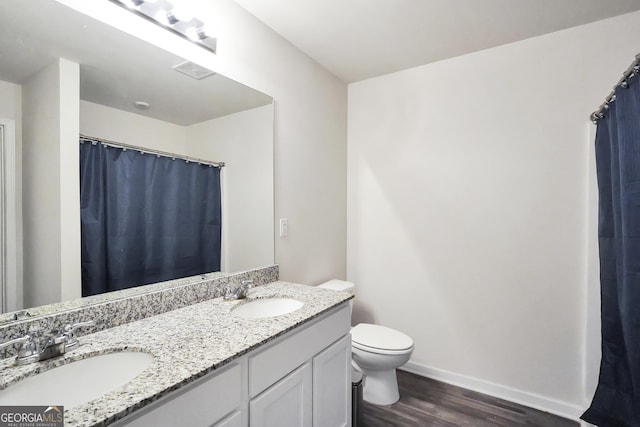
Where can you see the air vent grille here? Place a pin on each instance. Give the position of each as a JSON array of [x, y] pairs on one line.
[[193, 70]]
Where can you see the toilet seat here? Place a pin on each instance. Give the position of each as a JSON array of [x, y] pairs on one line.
[[378, 351], [380, 339]]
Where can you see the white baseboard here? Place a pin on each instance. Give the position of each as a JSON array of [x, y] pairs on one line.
[[532, 400]]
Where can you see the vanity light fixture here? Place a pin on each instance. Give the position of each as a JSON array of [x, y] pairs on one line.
[[173, 18]]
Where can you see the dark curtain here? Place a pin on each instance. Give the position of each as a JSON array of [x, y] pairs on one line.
[[617, 398], [145, 219]]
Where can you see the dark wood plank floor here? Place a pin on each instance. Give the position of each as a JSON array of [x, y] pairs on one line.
[[426, 402]]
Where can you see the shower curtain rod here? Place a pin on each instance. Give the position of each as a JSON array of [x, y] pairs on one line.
[[143, 150], [633, 70]]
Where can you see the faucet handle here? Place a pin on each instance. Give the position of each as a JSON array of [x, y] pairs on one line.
[[229, 293], [22, 340], [69, 333], [28, 350]]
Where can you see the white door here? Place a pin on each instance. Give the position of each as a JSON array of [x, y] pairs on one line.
[[285, 404], [332, 385]]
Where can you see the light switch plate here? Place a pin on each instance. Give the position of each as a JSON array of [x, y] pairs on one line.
[[284, 227]]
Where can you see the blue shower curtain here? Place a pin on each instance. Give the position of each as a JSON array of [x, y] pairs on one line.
[[617, 398], [145, 219]]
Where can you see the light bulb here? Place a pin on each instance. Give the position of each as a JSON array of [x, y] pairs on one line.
[[162, 16], [205, 31], [181, 13], [192, 33], [195, 34]]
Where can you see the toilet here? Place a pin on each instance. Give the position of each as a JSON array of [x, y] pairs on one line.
[[376, 352]]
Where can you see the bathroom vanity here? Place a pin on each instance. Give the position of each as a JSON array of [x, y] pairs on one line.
[[213, 367], [300, 379]]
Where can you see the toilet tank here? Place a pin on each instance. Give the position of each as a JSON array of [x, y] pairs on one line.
[[338, 285]]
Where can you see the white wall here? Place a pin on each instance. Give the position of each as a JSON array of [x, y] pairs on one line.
[[69, 158], [41, 129], [112, 124], [467, 208], [244, 141], [11, 112], [310, 138], [51, 205], [10, 100]]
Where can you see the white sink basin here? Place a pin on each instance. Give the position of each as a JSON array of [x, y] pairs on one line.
[[267, 307], [78, 382]]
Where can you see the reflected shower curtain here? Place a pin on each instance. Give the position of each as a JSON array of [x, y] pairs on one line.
[[145, 218], [617, 398]]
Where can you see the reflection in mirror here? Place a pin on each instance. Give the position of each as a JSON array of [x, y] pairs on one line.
[[63, 74]]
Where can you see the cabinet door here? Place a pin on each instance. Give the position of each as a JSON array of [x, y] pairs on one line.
[[234, 420], [285, 404], [332, 385]]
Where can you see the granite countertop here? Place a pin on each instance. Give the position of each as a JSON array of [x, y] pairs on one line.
[[92, 300], [186, 343]]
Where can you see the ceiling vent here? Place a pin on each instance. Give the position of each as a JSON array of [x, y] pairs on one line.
[[193, 70]]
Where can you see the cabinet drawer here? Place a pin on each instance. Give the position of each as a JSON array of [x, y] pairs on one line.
[[292, 350], [202, 403]]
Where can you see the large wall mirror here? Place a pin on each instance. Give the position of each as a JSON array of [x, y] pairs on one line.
[[62, 74]]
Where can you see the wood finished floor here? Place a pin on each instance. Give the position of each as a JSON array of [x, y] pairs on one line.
[[426, 402]]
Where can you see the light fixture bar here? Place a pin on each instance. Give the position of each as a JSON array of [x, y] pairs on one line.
[[163, 14]]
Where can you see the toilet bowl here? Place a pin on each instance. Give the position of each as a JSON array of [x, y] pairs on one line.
[[376, 352]]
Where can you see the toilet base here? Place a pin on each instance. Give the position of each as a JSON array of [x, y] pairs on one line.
[[381, 387]]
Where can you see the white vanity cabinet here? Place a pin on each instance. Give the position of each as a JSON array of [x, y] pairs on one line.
[[315, 394], [301, 379], [307, 372], [286, 403]]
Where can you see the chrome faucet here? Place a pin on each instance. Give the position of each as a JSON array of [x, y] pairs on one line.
[[239, 292], [53, 346]]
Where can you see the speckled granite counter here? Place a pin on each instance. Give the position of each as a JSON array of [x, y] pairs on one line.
[[120, 307], [187, 343]]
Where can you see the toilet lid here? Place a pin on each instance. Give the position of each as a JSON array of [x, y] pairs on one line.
[[376, 336]]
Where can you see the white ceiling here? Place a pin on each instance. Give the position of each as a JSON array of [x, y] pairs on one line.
[[116, 69], [359, 39]]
